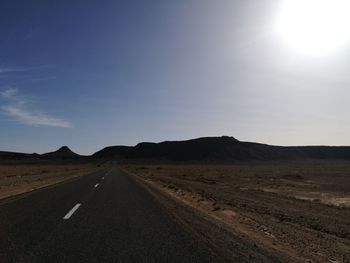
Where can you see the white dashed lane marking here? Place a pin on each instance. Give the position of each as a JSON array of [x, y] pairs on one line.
[[71, 212]]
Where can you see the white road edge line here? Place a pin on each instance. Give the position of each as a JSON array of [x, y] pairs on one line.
[[96, 185], [71, 212]]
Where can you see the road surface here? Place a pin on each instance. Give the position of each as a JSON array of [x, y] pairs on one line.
[[102, 217]]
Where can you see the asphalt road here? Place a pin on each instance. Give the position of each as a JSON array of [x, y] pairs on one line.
[[102, 217]]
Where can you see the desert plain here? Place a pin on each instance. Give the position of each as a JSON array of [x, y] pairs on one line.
[[300, 210]]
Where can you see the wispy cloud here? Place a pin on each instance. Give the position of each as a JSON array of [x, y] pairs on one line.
[[8, 93], [20, 69], [35, 119], [16, 107], [10, 70]]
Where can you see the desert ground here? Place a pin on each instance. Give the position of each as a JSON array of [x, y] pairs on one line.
[[18, 177], [298, 209]]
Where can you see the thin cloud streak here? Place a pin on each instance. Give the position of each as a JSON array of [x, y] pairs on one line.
[[16, 108], [8, 93], [10, 70], [35, 119], [19, 69]]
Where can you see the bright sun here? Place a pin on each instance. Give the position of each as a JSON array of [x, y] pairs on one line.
[[314, 27]]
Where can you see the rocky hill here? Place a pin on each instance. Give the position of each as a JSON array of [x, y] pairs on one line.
[[221, 149]]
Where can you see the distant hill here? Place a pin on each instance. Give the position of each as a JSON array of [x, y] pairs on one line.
[[113, 152], [62, 153], [226, 149], [17, 156]]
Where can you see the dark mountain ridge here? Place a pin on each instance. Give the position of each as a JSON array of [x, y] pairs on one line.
[[205, 149], [223, 148], [4, 155], [61, 154]]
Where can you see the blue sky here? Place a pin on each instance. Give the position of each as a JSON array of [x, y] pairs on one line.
[[88, 74]]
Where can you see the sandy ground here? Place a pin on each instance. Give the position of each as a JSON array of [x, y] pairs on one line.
[[19, 178], [301, 210]]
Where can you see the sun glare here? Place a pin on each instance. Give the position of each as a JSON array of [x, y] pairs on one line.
[[314, 27]]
